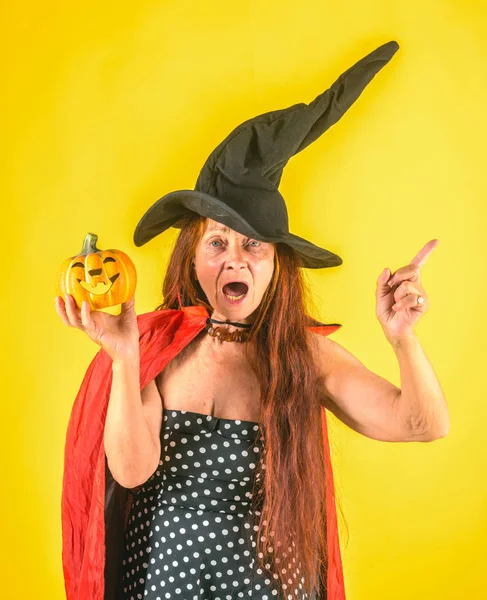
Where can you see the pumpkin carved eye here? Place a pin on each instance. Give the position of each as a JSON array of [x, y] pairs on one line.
[[107, 259]]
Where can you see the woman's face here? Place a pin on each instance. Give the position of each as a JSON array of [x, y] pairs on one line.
[[224, 255]]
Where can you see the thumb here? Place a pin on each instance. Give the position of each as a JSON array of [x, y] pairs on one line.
[[383, 279], [129, 305]]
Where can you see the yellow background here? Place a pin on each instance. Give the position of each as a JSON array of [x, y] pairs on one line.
[[108, 106]]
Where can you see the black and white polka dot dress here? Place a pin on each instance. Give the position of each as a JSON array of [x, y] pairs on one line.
[[189, 535]]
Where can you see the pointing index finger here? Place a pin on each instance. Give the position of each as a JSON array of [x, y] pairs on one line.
[[422, 256]]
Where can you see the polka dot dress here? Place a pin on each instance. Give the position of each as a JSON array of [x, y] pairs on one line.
[[188, 535]]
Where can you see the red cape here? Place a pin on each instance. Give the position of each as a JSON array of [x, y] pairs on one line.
[[94, 506]]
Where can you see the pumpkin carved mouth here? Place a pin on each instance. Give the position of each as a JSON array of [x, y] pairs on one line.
[[100, 288]]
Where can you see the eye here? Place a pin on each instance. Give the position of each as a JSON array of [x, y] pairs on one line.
[[109, 259], [250, 242], [78, 264]]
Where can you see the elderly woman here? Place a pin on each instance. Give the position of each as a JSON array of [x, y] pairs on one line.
[[200, 427]]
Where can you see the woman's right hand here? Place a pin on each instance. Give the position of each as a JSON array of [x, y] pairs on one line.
[[118, 335]]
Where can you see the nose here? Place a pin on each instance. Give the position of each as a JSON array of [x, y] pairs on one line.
[[94, 272], [236, 257]]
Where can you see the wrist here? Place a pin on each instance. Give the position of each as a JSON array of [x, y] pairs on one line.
[[400, 341], [126, 358]]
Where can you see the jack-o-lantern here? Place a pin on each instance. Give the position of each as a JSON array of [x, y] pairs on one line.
[[102, 277]]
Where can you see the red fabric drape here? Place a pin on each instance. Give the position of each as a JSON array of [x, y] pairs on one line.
[[94, 506]]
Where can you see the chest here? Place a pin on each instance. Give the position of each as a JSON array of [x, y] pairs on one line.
[[221, 385]]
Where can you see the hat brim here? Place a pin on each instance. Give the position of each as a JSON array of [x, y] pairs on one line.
[[168, 211]]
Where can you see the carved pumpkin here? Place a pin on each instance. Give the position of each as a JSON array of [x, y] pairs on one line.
[[102, 277]]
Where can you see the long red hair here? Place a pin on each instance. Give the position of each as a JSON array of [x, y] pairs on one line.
[[289, 487]]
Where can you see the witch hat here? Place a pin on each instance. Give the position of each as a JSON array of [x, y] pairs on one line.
[[238, 184]]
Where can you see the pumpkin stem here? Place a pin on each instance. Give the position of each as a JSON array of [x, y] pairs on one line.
[[89, 244]]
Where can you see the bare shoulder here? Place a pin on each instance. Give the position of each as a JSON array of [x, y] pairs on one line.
[[323, 350], [333, 362], [326, 352], [320, 345]]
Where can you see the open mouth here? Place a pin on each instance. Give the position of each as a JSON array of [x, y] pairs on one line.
[[235, 291]]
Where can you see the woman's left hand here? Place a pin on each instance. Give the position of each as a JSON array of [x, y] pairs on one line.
[[397, 306]]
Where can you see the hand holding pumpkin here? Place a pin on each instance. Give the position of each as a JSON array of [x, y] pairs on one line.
[[96, 279], [118, 335]]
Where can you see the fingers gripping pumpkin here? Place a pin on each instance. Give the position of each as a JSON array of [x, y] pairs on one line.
[[102, 277]]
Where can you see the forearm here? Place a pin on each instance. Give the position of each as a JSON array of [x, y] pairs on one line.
[[421, 400], [129, 447]]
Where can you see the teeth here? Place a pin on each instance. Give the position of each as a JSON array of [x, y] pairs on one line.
[[234, 297]]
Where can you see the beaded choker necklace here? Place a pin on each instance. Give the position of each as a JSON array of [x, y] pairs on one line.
[[223, 334]]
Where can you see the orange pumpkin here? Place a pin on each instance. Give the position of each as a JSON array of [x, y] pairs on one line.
[[102, 277]]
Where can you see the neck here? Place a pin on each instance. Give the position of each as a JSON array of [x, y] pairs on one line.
[[231, 323]]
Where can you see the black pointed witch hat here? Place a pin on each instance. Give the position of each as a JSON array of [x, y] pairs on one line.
[[237, 185]]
